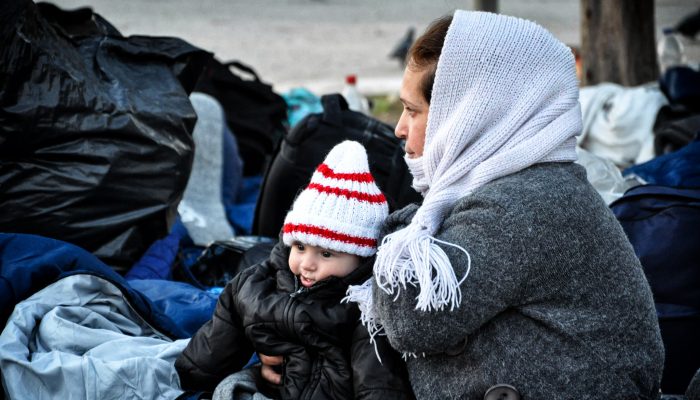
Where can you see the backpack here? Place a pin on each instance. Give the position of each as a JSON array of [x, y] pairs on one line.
[[662, 223], [309, 142], [254, 113]]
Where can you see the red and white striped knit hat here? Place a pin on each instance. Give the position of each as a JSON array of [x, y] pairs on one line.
[[341, 209]]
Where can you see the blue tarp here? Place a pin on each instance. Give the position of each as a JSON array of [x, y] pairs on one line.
[[680, 168]]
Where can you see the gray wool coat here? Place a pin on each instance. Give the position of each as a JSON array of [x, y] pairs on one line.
[[556, 303]]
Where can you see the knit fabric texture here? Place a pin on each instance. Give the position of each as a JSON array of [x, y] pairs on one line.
[[556, 303], [505, 97], [201, 208], [342, 208]]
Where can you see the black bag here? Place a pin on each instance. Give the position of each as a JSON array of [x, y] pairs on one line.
[[675, 127], [307, 145], [662, 225], [224, 259], [95, 130], [256, 115]]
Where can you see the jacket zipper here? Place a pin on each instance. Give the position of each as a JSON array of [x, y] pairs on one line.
[[301, 291]]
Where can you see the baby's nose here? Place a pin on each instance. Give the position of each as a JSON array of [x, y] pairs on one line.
[[308, 263]]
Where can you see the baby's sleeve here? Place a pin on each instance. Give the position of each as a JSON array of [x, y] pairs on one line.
[[218, 349]]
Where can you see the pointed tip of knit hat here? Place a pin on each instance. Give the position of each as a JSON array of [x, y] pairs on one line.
[[347, 157]]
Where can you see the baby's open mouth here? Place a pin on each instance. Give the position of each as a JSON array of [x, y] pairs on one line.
[[306, 281]]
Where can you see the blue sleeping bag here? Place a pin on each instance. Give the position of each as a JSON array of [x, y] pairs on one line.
[[28, 263]]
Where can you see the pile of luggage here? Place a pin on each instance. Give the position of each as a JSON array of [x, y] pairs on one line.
[[140, 172]]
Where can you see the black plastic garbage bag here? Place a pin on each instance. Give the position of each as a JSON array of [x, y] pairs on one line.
[[95, 129]]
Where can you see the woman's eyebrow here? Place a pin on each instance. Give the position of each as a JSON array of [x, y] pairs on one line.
[[406, 102]]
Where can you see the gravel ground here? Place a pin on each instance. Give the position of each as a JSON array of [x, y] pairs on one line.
[[315, 43]]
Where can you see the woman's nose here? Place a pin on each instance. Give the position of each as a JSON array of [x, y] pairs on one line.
[[401, 130]]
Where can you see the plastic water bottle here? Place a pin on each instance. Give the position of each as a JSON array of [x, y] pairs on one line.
[[356, 101], [670, 50]]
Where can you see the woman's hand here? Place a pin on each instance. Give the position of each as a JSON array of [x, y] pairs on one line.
[[269, 368]]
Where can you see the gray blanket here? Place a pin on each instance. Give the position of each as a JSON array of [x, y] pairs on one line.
[[240, 386], [79, 339]]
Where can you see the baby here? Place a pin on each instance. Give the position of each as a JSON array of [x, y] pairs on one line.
[[290, 306]]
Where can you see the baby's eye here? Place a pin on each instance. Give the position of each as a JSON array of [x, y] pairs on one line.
[[299, 246], [326, 254]]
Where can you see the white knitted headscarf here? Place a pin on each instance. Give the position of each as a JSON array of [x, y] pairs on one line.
[[505, 97]]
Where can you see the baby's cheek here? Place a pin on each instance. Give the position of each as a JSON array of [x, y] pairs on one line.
[[293, 266]]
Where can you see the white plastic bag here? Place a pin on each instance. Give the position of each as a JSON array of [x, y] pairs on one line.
[[618, 121], [605, 177]]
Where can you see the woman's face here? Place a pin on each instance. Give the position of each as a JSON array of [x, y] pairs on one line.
[[414, 118]]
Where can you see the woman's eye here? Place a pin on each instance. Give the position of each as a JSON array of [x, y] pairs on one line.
[[326, 254]]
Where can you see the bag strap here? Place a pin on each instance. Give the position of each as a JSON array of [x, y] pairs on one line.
[[641, 191], [333, 107], [242, 67]]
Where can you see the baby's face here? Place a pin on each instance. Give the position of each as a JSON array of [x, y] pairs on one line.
[[313, 264]]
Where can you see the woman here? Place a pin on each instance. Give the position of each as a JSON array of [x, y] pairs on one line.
[[513, 270]]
